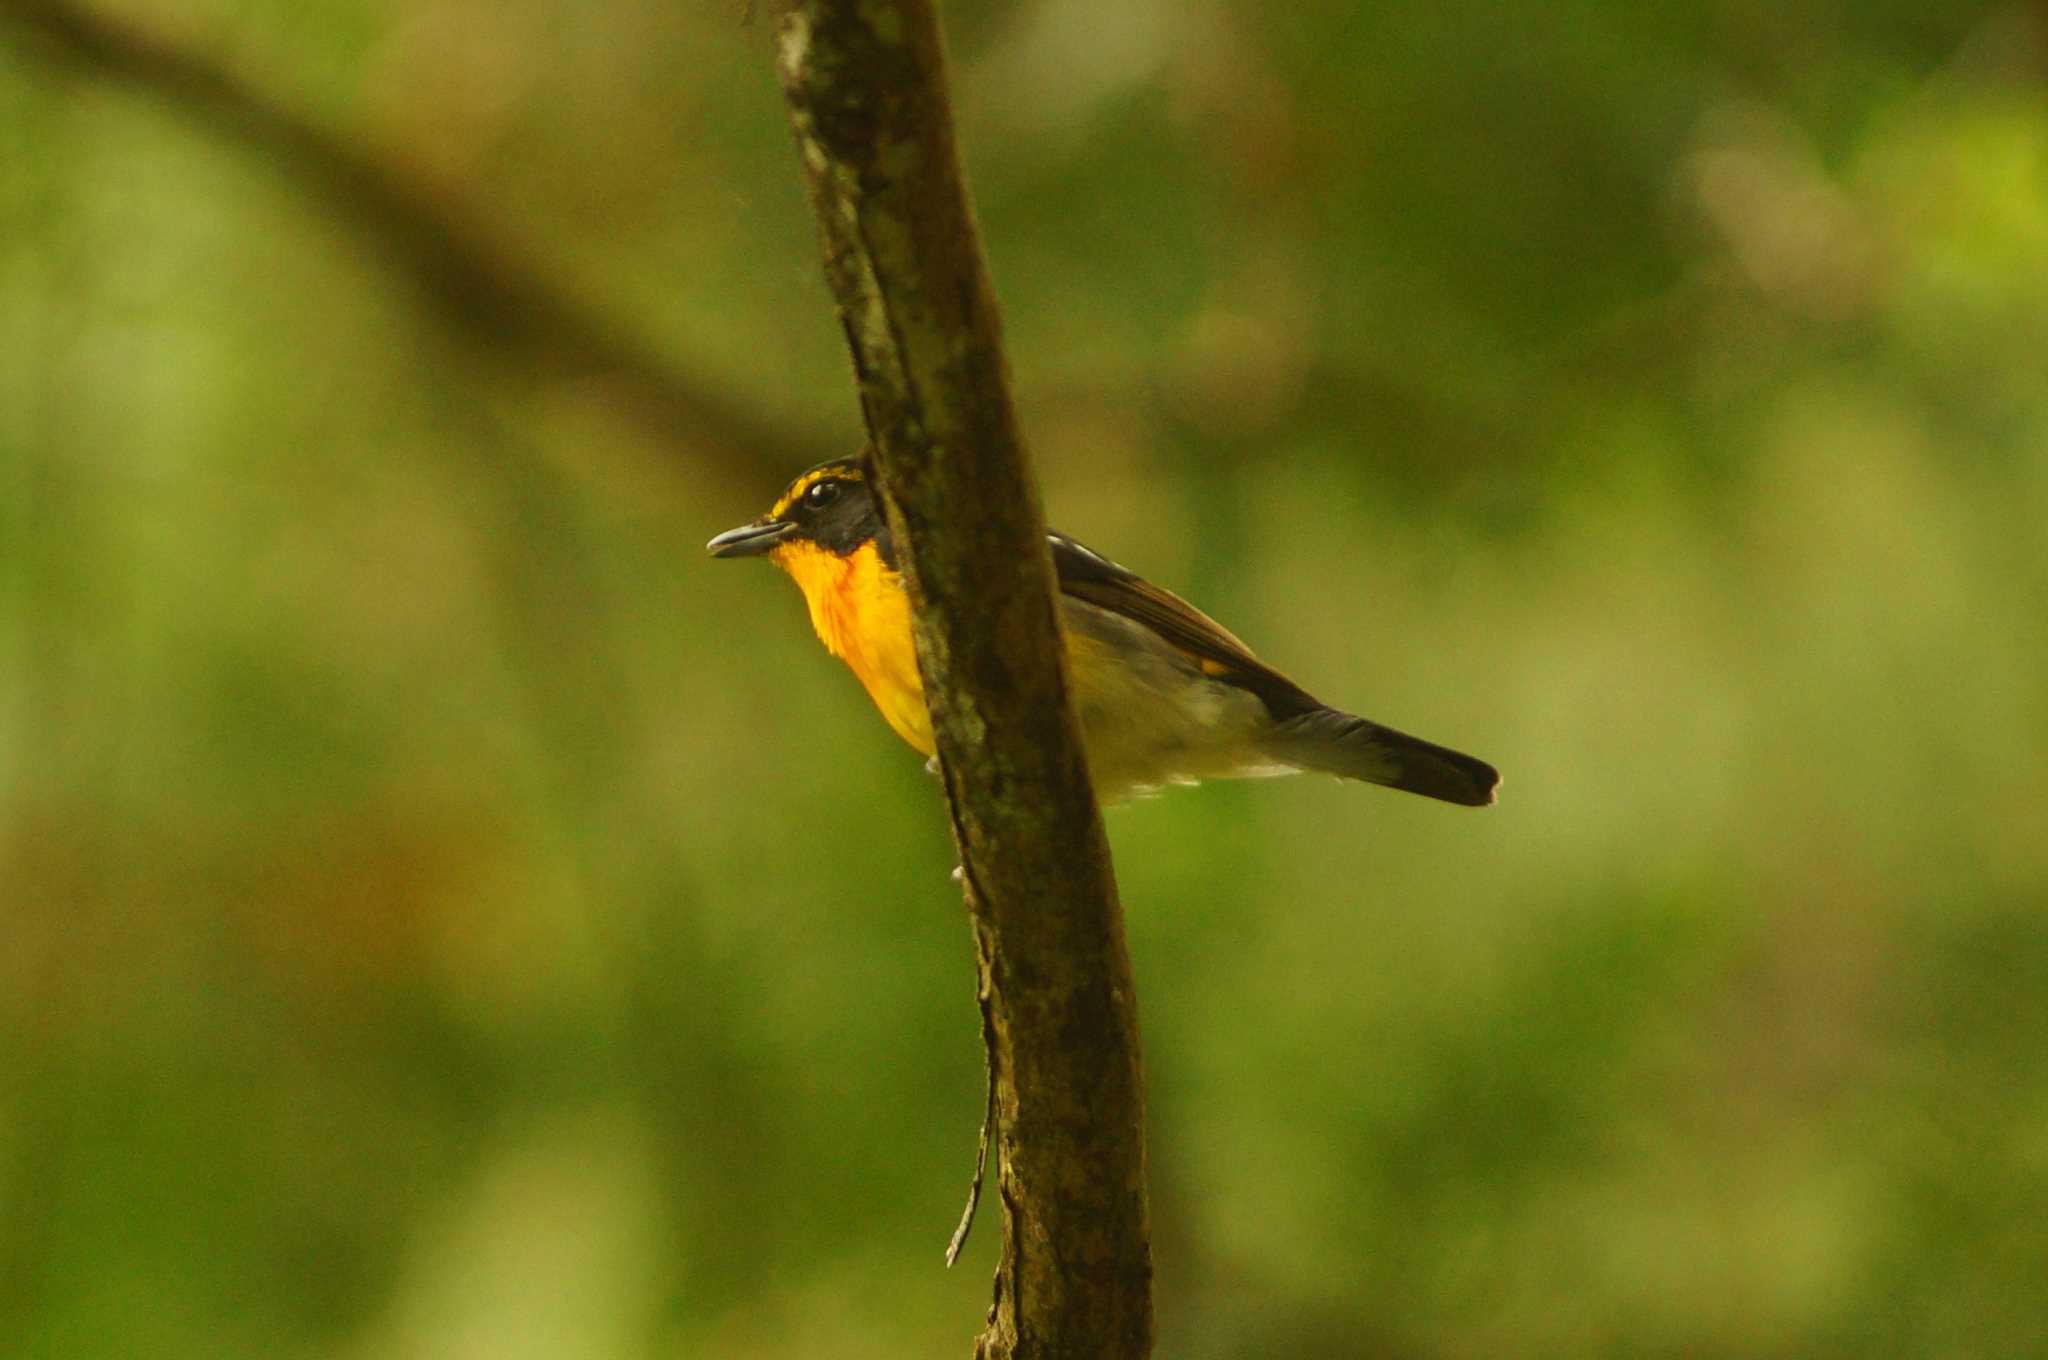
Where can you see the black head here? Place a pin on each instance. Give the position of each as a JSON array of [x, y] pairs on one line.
[[829, 505]]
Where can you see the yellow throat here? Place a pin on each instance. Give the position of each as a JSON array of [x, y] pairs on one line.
[[862, 614]]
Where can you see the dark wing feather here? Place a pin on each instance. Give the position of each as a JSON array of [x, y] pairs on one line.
[[1089, 576]]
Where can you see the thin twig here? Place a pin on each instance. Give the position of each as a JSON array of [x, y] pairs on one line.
[[988, 1122]]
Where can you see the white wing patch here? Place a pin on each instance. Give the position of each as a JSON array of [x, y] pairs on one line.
[[1080, 550]]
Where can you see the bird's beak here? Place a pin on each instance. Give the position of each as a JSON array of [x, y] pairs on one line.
[[750, 540]]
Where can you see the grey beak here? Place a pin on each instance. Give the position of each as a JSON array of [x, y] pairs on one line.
[[749, 540]]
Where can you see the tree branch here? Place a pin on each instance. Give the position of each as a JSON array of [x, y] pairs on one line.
[[502, 301], [865, 85]]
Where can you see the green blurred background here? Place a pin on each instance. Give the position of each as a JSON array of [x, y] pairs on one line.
[[442, 914]]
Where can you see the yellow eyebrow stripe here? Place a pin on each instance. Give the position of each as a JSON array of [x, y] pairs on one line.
[[798, 487], [832, 469]]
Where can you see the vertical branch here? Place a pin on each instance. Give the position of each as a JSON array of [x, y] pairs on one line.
[[866, 91]]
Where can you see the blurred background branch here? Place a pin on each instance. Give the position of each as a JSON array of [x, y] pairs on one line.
[[501, 300]]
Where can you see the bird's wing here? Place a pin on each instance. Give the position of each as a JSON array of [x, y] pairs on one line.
[[1088, 576]]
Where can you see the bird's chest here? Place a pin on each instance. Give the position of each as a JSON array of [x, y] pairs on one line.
[[860, 612]]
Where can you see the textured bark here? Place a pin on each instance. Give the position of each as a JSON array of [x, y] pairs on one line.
[[505, 302], [866, 93]]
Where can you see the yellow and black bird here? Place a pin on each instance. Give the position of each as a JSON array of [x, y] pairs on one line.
[[1166, 695]]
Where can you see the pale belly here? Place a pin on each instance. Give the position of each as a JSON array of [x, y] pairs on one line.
[[1150, 717]]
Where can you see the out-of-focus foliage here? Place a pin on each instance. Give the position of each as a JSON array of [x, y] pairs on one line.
[[443, 914]]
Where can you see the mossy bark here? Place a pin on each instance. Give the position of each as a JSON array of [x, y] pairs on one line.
[[865, 83]]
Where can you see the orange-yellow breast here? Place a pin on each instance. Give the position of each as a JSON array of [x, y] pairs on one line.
[[862, 615]]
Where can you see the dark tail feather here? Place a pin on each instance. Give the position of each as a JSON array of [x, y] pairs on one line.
[[1352, 748]]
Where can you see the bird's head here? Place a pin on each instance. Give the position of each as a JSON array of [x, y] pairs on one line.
[[829, 507]]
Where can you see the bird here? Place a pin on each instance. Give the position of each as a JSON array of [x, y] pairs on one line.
[[1165, 694]]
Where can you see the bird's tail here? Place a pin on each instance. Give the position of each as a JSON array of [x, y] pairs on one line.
[[1352, 748]]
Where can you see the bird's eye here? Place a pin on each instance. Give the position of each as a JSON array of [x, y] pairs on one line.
[[821, 494]]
